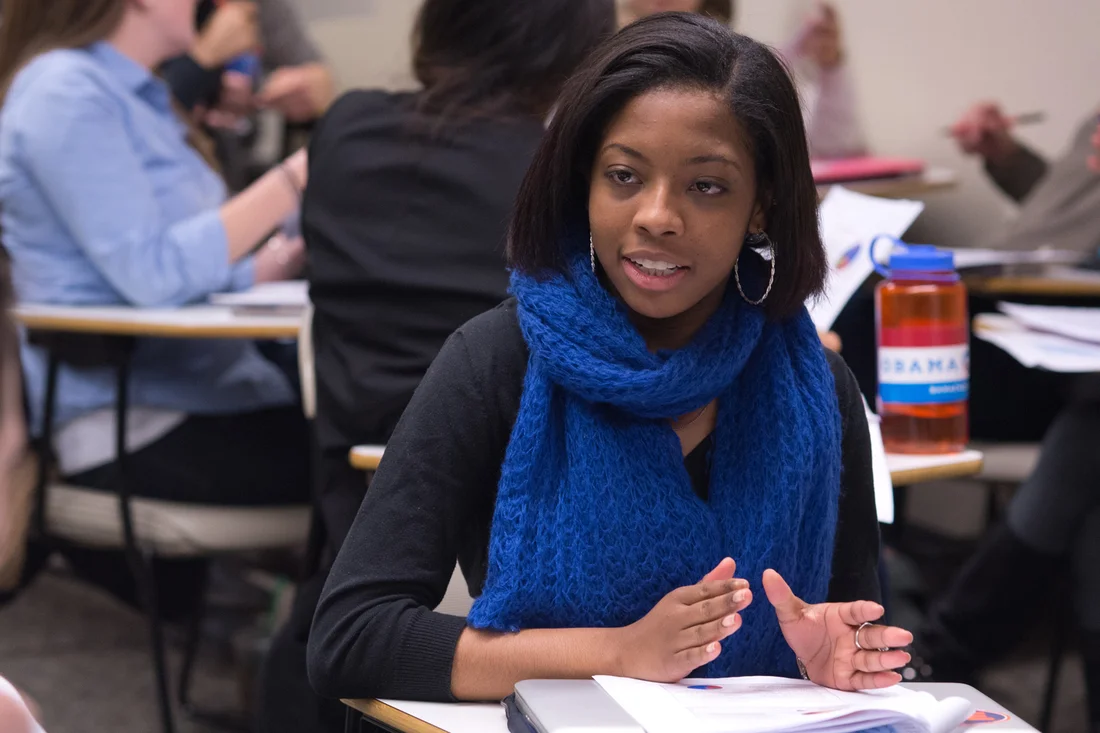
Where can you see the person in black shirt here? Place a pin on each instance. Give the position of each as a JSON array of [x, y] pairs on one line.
[[404, 222], [652, 406]]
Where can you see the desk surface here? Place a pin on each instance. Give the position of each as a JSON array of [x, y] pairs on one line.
[[434, 717], [904, 470], [1062, 285], [930, 181], [198, 321], [907, 470]]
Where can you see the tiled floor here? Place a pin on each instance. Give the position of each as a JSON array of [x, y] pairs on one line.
[[84, 658]]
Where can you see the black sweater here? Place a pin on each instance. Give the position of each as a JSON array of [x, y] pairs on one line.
[[404, 220], [374, 634]]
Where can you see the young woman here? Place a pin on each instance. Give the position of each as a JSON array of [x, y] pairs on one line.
[[816, 55], [652, 406], [405, 224], [103, 202]]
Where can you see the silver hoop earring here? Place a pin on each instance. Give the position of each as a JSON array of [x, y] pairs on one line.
[[592, 254], [755, 240]]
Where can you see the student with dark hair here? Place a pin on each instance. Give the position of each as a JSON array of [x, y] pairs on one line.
[[816, 56], [404, 222], [652, 406], [1052, 524]]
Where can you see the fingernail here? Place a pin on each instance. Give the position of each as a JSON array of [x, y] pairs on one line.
[[711, 647], [730, 620], [908, 657], [739, 596]]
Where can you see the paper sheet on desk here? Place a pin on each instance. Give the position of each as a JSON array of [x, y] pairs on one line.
[[880, 469], [1081, 324], [767, 704], [1037, 349], [286, 294], [849, 221]]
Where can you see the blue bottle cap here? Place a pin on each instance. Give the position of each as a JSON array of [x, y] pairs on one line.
[[921, 258]]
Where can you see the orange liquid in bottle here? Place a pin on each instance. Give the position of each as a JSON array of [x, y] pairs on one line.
[[923, 337]]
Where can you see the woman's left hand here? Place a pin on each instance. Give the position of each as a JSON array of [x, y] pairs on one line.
[[824, 637]]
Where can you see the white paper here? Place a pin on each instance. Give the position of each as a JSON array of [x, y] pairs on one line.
[[849, 221], [282, 295], [1082, 324], [773, 704], [1037, 349], [970, 258], [880, 469]]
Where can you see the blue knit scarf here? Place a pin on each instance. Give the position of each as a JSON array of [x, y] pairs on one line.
[[595, 517]]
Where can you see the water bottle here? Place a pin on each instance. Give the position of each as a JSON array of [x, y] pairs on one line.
[[923, 336]]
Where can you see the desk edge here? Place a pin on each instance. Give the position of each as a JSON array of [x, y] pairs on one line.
[[380, 712], [907, 477]]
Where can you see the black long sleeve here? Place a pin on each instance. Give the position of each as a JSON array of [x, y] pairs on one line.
[[431, 502]]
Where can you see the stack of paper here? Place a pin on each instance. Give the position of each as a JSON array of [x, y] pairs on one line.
[[1058, 338], [767, 704], [849, 222], [283, 298]]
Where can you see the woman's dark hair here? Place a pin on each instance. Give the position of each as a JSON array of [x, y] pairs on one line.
[[690, 51], [503, 57]]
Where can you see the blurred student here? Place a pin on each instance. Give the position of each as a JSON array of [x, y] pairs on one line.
[[102, 202], [1053, 522], [1059, 200], [405, 219], [816, 55], [290, 75]]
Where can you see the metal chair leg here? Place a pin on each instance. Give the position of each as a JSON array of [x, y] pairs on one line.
[[1057, 655], [191, 647], [352, 719], [140, 564]]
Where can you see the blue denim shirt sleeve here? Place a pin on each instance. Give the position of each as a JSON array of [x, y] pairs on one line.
[[243, 275], [75, 145]]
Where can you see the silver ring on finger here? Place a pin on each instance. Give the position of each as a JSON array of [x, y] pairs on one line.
[[862, 648]]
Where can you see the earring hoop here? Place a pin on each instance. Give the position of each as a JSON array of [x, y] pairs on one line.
[[592, 253], [755, 240]]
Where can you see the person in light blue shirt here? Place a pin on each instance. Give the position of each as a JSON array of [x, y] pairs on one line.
[[104, 202]]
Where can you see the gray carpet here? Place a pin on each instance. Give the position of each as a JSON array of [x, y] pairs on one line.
[[84, 658]]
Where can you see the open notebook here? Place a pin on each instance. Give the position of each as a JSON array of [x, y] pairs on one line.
[[731, 705]]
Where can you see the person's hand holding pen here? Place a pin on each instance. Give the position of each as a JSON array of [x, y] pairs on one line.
[[819, 38], [984, 130]]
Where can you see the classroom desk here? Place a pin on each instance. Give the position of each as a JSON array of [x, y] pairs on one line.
[[1054, 285], [432, 717], [930, 181], [904, 470], [196, 321]]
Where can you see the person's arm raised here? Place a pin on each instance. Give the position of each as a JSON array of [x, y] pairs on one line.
[[253, 213]]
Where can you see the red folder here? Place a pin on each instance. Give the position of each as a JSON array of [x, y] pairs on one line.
[[862, 169]]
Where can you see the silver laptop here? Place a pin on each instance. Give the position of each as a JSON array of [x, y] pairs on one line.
[[581, 706]]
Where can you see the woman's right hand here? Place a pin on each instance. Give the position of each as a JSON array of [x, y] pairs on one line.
[[685, 629], [232, 30], [984, 130]]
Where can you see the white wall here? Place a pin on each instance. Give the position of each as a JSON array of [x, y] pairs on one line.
[[917, 65]]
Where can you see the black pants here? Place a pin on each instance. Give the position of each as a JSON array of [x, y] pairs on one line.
[[252, 459], [288, 703]]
